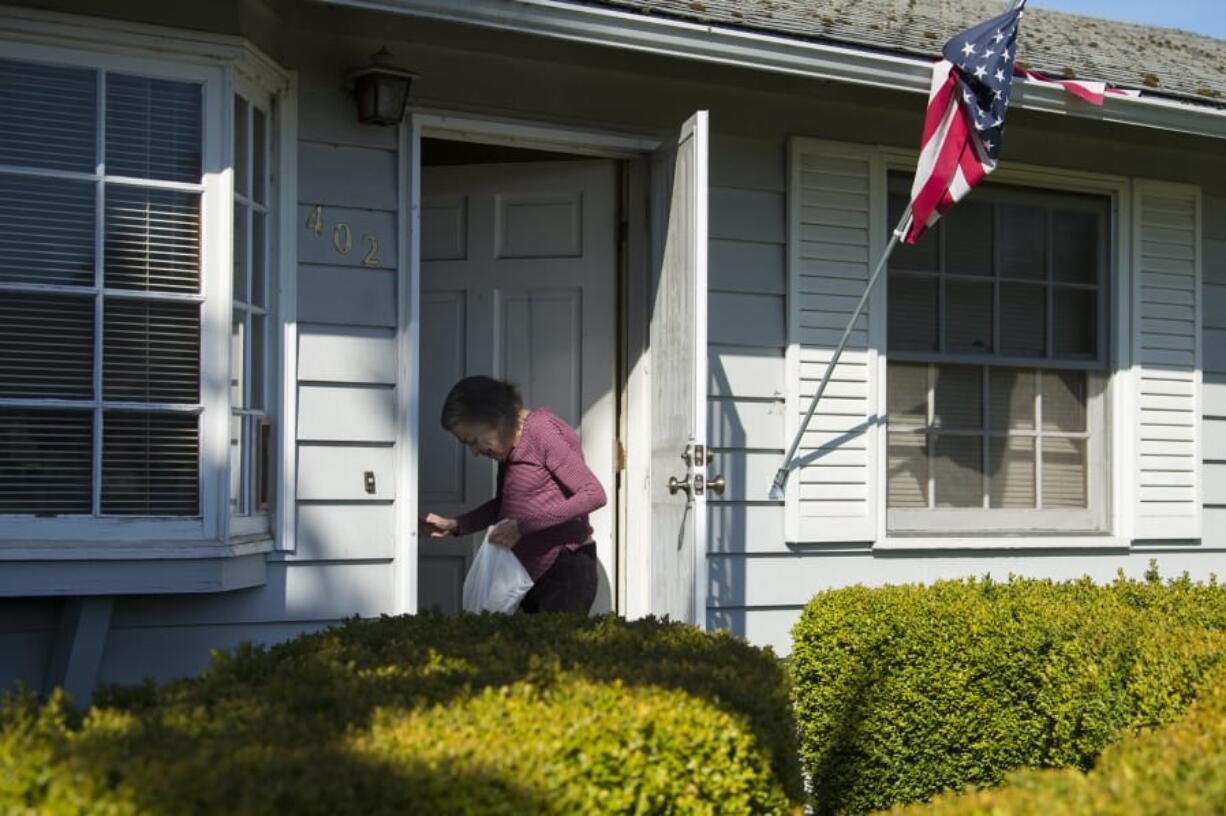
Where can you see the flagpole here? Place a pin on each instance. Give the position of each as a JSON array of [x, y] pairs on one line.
[[781, 476]]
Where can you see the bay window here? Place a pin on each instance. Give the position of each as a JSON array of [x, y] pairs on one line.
[[112, 254]]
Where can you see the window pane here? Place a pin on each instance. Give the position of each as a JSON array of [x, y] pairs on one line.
[[907, 484], [957, 470], [907, 394], [238, 360], [968, 239], [152, 240], [1064, 472], [150, 464], [968, 317], [258, 250], [1075, 323], [1011, 398], [237, 444], [46, 346], [151, 351], [256, 384], [919, 257], [1074, 239], [48, 116], [1064, 401], [47, 229], [46, 461], [1023, 241], [958, 397], [242, 166], [240, 252], [1011, 471], [259, 147], [913, 313], [153, 128], [1023, 324]]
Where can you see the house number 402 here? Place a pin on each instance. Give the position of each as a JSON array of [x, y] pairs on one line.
[[342, 237]]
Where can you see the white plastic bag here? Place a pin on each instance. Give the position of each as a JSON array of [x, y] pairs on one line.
[[497, 582]]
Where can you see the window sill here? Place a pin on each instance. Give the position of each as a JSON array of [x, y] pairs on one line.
[[64, 568], [997, 543]]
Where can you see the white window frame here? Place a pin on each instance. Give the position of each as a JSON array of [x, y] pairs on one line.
[[219, 64], [1109, 522], [260, 521]]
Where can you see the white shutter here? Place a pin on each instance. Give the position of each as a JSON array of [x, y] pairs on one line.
[[836, 202], [1167, 358]]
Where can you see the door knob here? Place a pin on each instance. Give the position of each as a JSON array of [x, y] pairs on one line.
[[717, 485], [676, 485]]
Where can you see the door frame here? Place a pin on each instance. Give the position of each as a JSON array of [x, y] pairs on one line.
[[632, 548]]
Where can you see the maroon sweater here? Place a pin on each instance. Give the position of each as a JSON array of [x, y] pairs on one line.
[[544, 485]]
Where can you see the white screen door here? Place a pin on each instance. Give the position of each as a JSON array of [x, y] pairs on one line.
[[518, 266], [678, 342]]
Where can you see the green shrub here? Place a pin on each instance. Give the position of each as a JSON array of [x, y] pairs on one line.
[[480, 715], [902, 692], [1176, 769]]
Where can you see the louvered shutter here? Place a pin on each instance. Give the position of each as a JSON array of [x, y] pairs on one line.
[[836, 201], [1167, 359]]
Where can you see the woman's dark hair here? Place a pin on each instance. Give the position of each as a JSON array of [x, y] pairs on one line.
[[483, 400]]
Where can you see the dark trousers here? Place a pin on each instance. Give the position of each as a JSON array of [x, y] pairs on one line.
[[568, 586]]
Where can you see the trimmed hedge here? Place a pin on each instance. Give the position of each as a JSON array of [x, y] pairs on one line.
[[906, 691], [480, 715], [1177, 769]]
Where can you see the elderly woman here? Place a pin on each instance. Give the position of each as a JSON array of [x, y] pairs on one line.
[[544, 495]]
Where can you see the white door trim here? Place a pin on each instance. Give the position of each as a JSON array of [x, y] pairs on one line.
[[442, 124]]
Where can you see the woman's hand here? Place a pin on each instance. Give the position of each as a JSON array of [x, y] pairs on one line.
[[436, 526], [505, 533]]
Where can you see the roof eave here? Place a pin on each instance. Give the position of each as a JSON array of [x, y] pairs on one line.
[[764, 52]]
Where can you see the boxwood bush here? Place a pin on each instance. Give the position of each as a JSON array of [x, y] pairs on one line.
[[1176, 769], [905, 691], [481, 715]]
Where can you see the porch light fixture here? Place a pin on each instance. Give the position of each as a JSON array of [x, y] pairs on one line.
[[382, 91]]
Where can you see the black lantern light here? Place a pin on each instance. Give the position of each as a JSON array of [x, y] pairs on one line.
[[382, 91]]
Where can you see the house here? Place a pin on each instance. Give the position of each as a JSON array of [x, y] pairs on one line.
[[229, 310]]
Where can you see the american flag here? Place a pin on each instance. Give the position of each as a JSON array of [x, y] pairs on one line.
[[966, 118]]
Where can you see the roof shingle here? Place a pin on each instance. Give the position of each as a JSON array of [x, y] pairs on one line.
[[1156, 60]]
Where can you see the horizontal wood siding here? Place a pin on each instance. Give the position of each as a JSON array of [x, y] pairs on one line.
[[747, 326], [1213, 398], [349, 251]]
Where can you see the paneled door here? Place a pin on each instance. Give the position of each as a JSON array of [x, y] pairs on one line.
[[518, 275]]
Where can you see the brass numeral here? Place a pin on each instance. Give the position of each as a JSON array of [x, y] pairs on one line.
[[372, 254], [342, 238]]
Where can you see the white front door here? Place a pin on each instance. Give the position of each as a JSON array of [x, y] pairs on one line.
[[518, 277], [678, 342]]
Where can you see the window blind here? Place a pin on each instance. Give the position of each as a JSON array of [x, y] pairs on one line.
[[46, 461], [151, 352], [48, 116], [46, 346], [46, 230], [105, 355], [150, 464], [152, 240], [153, 128]]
